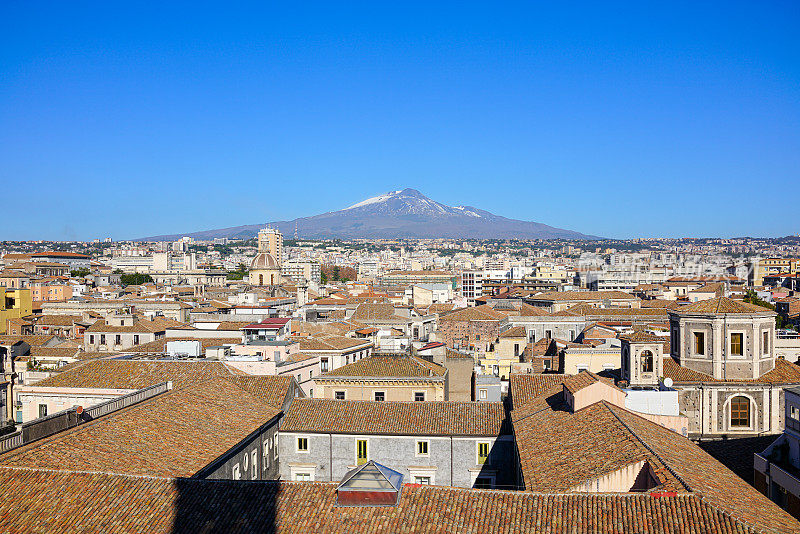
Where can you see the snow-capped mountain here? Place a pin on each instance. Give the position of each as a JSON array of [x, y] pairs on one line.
[[405, 213]]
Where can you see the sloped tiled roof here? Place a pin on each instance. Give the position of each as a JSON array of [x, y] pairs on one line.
[[582, 295], [367, 312], [176, 433], [55, 501], [389, 366], [560, 451], [135, 374], [514, 331], [526, 387], [477, 313], [784, 373], [160, 345], [434, 418], [326, 342], [722, 305]]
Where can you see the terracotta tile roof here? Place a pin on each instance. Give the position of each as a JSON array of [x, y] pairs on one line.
[[575, 383], [525, 387], [56, 320], [526, 310], [388, 366], [582, 296], [707, 477], [721, 305], [560, 451], [271, 390], [440, 307], [659, 303], [784, 373], [477, 313], [640, 336], [326, 342], [159, 346], [514, 332], [135, 374], [580, 310], [159, 324], [173, 434], [368, 312], [136, 504], [430, 418], [54, 352]]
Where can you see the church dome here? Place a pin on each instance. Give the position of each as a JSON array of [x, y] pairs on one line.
[[263, 260]]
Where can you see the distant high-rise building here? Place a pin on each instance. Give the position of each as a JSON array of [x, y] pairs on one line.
[[270, 240]]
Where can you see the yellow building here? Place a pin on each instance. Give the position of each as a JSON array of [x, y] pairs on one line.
[[14, 303], [772, 266], [505, 351]]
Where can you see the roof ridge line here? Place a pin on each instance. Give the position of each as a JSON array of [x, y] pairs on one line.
[[650, 449], [725, 511], [84, 472]]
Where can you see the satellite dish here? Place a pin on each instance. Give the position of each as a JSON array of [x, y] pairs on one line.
[[668, 382]]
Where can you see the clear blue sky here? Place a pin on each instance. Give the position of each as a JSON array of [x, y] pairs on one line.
[[614, 119]]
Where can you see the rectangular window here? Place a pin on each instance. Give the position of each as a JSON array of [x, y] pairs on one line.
[[135, 339], [380, 396], [91, 340], [323, 365], [117, 339], [765, 343], [425, 481], [42, 410], [699, 343], [102, 339], [419, 396], [361, 452], [422, 448], [254, 463], [338, 395], [482, 394], [302, 444], [483, 452], [737, 344], [302, 477]]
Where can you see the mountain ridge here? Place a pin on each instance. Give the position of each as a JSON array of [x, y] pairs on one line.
[[405, 213]]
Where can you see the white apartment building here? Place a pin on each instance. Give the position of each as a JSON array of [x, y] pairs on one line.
[[297, 270]]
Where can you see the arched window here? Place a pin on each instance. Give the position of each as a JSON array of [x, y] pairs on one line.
[[740, 411], [647, 361]]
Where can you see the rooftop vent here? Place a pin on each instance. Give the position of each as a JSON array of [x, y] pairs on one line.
[[371, 484]]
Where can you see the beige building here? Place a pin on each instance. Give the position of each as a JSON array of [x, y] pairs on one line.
[[556, 301], [723, 364], [385, 378], [577, 358]]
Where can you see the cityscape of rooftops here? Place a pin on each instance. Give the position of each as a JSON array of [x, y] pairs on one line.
[[437, 268]]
